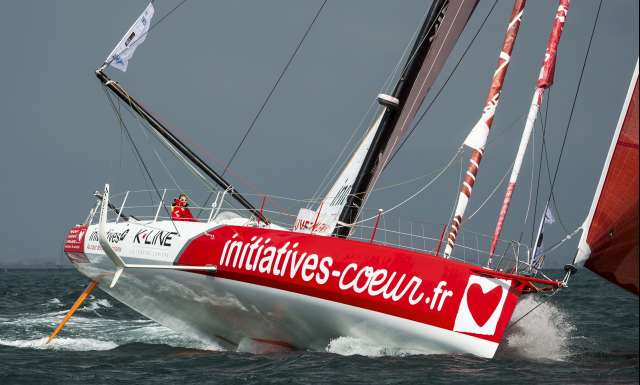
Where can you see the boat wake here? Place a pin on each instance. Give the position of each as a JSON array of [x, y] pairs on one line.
[[98, 325], [543, 334]]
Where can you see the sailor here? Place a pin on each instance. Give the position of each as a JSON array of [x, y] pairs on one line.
[[180, 210]]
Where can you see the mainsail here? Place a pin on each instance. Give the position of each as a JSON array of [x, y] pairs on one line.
[[609, 242], [439, 33]]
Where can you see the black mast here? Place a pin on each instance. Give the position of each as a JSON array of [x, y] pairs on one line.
[[390, 118], [175, 142]]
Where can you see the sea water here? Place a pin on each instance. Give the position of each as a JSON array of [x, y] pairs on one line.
[[587, 333]]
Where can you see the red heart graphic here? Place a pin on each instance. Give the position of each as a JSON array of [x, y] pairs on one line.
[[481, 304]]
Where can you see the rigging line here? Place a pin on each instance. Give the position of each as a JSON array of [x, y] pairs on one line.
[[545, 151], [490, 141], [560, 242], [144, 127], [264, 104], [176, 154], [504, 177], [386, 84], [275, 85], [575, 98], [138, 157], [533, 172], [532, 309], [424, 112], [144, 131], [153, 25], [331, 172], [141, 159], [445, 168], [535, 206]]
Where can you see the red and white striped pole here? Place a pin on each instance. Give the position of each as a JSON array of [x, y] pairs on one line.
[[545, 79], [477, 138]]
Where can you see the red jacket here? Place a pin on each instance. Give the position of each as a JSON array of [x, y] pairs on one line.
[[179, 212]]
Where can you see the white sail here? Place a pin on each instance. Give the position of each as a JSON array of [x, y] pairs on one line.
[[324, 220], [119, 57]]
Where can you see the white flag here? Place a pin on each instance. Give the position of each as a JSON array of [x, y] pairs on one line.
[[548, 216], [119, 57]]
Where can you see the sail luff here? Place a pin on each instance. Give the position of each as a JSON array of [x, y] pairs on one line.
[[583, 254], [439, 33], [478, 136], [545, 79]]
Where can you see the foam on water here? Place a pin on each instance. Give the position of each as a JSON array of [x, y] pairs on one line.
[[71, 344], [53, 301], [97, 333], [349, 346], [545, 333], [96, 304]]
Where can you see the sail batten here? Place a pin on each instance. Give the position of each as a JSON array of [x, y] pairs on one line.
[[609, 242]]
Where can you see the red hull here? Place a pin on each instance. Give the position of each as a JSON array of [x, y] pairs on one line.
[[432, 290]]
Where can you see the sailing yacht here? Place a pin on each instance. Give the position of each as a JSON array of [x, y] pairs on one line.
[[237, 276]]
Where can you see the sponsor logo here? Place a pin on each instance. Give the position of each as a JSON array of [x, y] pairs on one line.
[[481, 305], [287, 260], [154, 237], [129, 39], [112, 236]]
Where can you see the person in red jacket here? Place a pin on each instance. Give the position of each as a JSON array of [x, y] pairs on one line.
[[180, 210]]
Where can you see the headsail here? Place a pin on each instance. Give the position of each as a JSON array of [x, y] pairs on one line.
[[324, 220], [439, 33], [609, 242]]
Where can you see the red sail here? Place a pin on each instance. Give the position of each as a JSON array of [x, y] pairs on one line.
[[612, 234]]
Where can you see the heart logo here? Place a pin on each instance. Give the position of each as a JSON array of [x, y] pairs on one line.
[[482, 305]]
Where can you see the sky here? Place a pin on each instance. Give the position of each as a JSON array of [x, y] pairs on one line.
[[207, 68]]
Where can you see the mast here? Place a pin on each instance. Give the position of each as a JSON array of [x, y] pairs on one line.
[[177, 143], [419, 73], [545, 80], [477, 138]]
